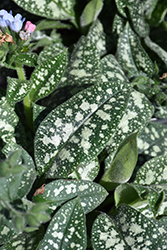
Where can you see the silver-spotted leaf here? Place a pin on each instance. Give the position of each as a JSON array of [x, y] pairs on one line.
[[138, 113], [153, 171], [17, 89], [8, 121], [67, 229], [52, 10], [84, 66], [46, 76], [105, 235], [132, 56], [152, 141], [29, 59], [87, 172], [97, 35], [137, 230], [58, 192]]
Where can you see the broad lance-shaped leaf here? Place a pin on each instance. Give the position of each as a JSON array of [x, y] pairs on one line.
[[84, 66], [137, 230], [8, 121], [123, 164], [97, 35], [132, 56], [153, 171], [24, 241], [90, 12], [67, 230], [61, 9], [50, 52], [81, 141], [7, 232], [152, 141], [61, 123], [17, 89], [46, 76], [105, 234], [58, 192], [138, 113]]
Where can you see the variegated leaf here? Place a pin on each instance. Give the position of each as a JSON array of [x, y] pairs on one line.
[[132, 56], [84, 66], [58, 192], [53, 9], [67, 230]]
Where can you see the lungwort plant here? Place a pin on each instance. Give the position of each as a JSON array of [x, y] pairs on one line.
[[82, 134]]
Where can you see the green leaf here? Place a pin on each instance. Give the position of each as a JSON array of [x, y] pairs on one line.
[[159, 13], [153, 171], [46, 76], [122, 4], [50, 52], [55, 10], [138, 113], [152, 140], [105, 234], [8, 121], [161, 112], [125, 194], [123, 164], [25, 241], [7, 231], [58, 192], [88, 172], [97, 35], [157, 49], [67, 230], [138, 230], [17, 89], [90, 12], [132, 56], [51, 24], [84, 66], [29, 59], [140, 25], [75, 132]]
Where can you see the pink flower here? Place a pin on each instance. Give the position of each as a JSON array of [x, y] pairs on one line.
[[30, 26]]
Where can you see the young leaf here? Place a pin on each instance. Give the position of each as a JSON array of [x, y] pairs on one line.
[[132, 56], [67, 230], [123, 164], [90, 12], [46, 76], [29, 59], [17, 89], [58, 192], [84, 66]]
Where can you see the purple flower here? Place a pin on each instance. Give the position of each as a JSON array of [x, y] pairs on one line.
[[15, 23]]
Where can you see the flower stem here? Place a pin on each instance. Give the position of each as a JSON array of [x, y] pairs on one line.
[[26, 101]]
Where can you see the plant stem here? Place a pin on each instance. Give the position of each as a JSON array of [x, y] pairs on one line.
[[26, 101]]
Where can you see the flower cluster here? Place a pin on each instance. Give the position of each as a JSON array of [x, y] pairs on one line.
[[15, 24], [7, 20]]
